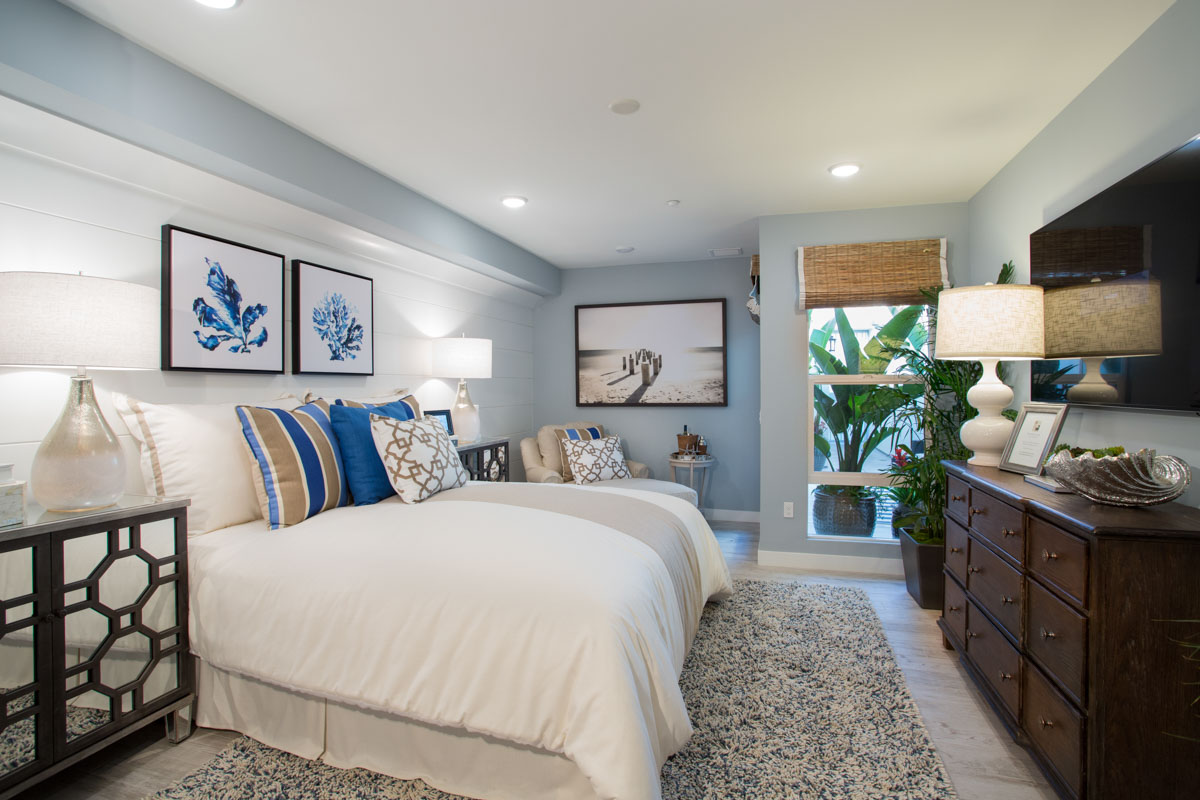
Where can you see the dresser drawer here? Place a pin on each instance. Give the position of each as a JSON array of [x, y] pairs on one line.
[[1060, 558], [1055, 728], [956, 498], [1057, 637], [956, 549], [995, 585], [954, 609], [994, 657], [999, 523]]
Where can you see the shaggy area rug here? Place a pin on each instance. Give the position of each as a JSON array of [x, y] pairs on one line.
[[792, 690]]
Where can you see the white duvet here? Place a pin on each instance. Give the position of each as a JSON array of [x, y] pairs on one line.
[[539, 628]]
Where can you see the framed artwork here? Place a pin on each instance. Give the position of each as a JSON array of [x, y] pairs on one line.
[[333, 321], [1034, 433], [651, 354], [442, 415], [222, 304]]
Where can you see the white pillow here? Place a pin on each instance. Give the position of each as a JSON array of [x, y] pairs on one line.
[[418, 456], [198, 452], [593, 460]]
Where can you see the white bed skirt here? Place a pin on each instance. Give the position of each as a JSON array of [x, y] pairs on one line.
[[452, 760]]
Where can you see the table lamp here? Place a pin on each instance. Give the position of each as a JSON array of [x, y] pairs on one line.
[[463, 358], [989, 324], [53, 320], [1095, 321]]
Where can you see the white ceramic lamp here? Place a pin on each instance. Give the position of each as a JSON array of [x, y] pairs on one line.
[[463, 358], [1095, 321], [989, 324], [53, 320]]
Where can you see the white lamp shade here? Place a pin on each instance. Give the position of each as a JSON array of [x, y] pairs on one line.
[[1114, 318], [49, 319], [462, 358], [990, 321]]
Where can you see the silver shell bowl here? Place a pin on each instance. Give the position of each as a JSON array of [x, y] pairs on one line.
[[1130, 479]]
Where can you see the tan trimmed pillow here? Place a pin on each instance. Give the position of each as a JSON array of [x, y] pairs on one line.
[[402, 395], [593, 460], [580, 434], [418, 456]]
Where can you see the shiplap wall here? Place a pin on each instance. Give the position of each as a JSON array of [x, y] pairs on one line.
[[59, 217]]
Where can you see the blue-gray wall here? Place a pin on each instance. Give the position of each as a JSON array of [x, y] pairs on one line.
[[785, 438], [649, 433], [1145, 104]]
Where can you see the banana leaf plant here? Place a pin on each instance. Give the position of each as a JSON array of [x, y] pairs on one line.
[[855, 419]]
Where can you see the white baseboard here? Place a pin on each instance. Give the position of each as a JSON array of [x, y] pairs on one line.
[[822, 562], [729, 515]]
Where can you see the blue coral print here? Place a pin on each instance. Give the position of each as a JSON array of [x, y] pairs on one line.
[[226, 316], [335, 321]]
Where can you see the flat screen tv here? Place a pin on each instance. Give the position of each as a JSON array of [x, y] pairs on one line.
[[1122, 279]]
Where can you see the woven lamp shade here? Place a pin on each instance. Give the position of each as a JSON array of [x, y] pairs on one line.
[[870, 273], [1114, 318], [991, 321]]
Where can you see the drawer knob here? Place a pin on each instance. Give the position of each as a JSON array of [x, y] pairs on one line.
[[978, 510], [955, 549], [1045, 723], [1008, 532], [953, 609], [1008, 601], [972, 635], [1048, 634], [1004, 676], [1048, 556], [974, 569], [957, 498]]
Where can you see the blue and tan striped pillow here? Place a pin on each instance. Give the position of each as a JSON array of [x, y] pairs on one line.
[[577, 435], [295, 460], [407, 400]]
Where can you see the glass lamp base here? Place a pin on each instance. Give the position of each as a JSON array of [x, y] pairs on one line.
[[79, 465]]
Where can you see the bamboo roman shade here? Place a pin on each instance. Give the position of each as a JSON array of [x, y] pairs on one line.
[[1073, 255], [870, 273]]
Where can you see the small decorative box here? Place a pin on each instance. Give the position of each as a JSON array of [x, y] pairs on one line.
[[12, 498]]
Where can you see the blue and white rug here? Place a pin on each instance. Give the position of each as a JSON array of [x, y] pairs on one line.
[[792, 689]]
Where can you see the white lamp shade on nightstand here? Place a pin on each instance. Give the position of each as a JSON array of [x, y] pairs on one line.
[[988, 324], [54, 320], [463, 358], [1095, 321]]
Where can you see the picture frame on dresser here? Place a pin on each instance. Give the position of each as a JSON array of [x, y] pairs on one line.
[[333, 321], [1034, 433], [222, 304]]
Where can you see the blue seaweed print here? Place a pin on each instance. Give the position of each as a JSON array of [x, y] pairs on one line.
[[227, 318], [335, 322]]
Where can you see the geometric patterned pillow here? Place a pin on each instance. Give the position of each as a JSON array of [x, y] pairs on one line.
[[297, 467], [418, 455], [595, 460], [565, 435]]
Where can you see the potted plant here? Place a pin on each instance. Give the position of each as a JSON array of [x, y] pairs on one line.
[[853, 420]]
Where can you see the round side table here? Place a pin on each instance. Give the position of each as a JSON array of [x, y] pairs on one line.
[[692, 465]]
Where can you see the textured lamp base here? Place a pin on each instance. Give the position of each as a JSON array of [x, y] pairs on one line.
[[987, 434], [80, 464], [465, 415]]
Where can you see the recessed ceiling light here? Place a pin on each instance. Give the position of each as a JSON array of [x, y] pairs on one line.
[[625, 249], [221, 4], [672, 203], [625, 106], [844, 170], [513, 201]]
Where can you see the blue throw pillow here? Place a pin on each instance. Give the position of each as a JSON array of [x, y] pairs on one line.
[[365, 474]]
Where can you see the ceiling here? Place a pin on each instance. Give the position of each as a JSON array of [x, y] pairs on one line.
[[743, 104]]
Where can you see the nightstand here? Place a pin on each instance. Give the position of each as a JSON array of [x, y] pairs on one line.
[[486, 459], [95, 633]]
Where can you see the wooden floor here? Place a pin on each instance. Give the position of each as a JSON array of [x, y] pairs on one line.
[[983, 761]]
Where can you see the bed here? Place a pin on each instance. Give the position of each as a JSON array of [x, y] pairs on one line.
[[509, 641]]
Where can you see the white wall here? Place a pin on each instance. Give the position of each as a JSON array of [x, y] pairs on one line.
[[105, 220], [1145, 104], [648, 434], [785, 429]]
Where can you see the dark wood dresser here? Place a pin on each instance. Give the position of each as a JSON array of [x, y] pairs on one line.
[[1071, 618]]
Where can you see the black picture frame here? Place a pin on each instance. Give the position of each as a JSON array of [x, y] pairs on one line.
[[316, 353], [443, 416], [679, 353], [188, 299]]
